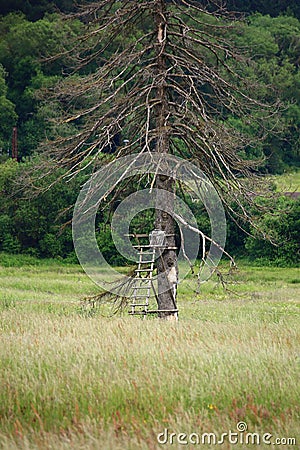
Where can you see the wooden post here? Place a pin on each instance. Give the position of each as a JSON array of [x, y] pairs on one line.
[[15, 144]]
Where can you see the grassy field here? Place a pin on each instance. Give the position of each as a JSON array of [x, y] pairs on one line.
[[72, 380], [288, 182]]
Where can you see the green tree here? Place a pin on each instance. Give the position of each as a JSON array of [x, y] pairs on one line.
[[8, 116], [283, 228], [23, 47], [37, 225], [36, 9], [272, 7], [273, 44]]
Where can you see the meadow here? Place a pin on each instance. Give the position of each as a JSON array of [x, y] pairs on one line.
[[77, 379], [288, 182]]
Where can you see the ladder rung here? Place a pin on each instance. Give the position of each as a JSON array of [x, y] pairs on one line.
[[142, 246], [144, 270], [142, 287], [146, 253], [140, 296], [138, 304], [146, 262]]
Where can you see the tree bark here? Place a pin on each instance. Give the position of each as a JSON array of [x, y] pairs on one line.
[[167, 268]]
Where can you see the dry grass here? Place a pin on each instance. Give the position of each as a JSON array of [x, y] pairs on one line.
[[70, 381]]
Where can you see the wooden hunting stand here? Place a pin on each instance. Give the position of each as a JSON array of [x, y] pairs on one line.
[[143, 287]]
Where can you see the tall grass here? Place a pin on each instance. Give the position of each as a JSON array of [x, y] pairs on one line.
[[287, 182], [69, 381]]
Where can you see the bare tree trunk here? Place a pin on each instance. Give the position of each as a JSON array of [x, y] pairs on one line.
[[184, 61], [167, 269]]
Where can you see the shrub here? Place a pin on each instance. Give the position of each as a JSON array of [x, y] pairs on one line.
[[284, 229]]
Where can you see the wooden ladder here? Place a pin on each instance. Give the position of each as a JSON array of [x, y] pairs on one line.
[[143, 284]]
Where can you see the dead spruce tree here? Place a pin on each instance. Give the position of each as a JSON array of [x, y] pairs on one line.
[[164, 76]]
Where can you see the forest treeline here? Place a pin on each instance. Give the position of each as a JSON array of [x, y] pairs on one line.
[[35, 9], [33, 30], [272, 42]]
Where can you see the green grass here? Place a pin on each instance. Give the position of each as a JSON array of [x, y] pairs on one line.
[[70, 381], [288, 182]]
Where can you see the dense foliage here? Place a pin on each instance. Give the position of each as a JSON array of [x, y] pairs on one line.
[[32, 30], [35, 9], [36, 226], [273, 43]]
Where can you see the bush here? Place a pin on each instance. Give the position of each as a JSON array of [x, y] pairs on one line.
[[284, 229], [33, 225], [11, 244]]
